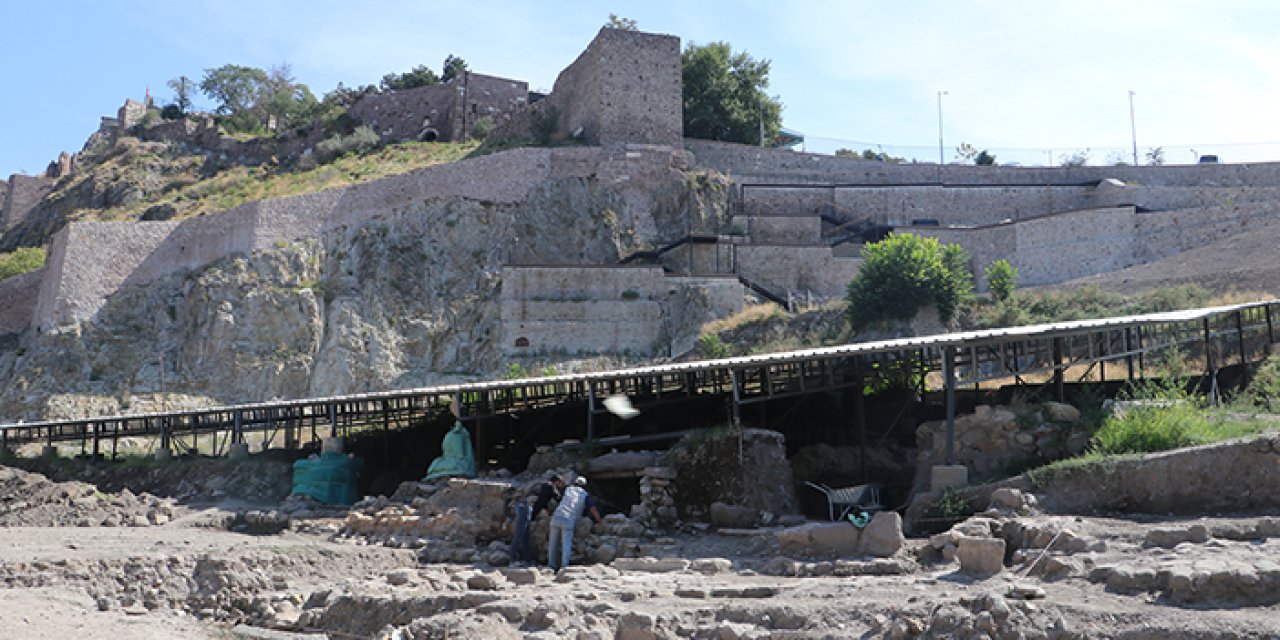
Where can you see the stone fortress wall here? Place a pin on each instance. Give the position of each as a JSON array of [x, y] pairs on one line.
[[20, 195], [624, 88], [1053, 223]]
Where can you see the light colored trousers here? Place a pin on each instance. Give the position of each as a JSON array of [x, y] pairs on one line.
[[561, 540]]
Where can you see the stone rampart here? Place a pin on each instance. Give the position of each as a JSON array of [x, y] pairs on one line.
[[421, 113], [624, 88], [763, 165], [87, 262], [782, 229], [21, 196], [796, 270], [20, 295], [90, 261]]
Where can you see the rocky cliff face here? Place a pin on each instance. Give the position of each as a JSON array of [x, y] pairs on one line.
[[406, 298]]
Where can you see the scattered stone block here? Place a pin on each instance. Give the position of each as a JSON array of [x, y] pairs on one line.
[[981, 556], [1172, 536], [883, 536]]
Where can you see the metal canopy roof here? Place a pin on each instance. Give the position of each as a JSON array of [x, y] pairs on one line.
[[932, 344]]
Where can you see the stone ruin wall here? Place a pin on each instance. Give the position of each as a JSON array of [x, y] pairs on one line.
[[20, 196], [20, 295], [624, 88], [446, 111]]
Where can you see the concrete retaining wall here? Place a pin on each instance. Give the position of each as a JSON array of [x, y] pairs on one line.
[[797, 270]]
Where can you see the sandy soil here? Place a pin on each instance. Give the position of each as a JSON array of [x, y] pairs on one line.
[[190, 577]]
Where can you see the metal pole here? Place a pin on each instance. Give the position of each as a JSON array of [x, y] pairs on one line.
[[1270, 336], [591, 411], [941, 159], [737, 399], [860, 417], [949, 375], [1128, 349], [1059, 387], [1240, 336], [1208, 365], [1133, 128]]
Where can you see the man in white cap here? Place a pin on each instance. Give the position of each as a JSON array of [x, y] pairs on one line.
[[575, 501]]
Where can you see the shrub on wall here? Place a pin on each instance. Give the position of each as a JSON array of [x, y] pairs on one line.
[[20, 261], [1002, 279], [361, 140]]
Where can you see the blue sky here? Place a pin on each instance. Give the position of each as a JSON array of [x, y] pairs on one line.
[[1028, 80]]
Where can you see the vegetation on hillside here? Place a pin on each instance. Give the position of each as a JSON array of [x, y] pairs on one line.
[[236, 185], [20, 261]]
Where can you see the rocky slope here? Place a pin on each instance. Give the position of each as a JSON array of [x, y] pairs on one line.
[[406, 298]]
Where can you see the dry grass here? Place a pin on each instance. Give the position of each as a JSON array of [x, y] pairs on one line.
[[752, 314], [238, 185]]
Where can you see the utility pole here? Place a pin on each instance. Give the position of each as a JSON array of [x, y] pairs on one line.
[[941, 159], [1134, 129]]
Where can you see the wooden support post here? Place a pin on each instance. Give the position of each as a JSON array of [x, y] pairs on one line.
[[115, 438], [97, 433]]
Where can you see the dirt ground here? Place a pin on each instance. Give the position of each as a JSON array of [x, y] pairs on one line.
[[111, 571]]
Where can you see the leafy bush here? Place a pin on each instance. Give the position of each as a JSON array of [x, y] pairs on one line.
[[171, 112], [20, 261], [1002, 279], [482, 128], [1156, 427], [905, 273], [710, 346], [361, 140], [1263, 391]]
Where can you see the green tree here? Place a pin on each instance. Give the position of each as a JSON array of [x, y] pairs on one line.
[[453, 67], [1002, 279], [984, 159], [20, 261], [1155, 156], [724, 95], [905, 273], [625, 24], [285, 102], [419, 76], [966, 152], [235, 88], [182, 89]]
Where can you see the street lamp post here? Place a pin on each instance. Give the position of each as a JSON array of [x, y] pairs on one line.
[[1133, 129], [941, 159]]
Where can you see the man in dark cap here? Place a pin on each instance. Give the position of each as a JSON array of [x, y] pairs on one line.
[[527, 509]]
